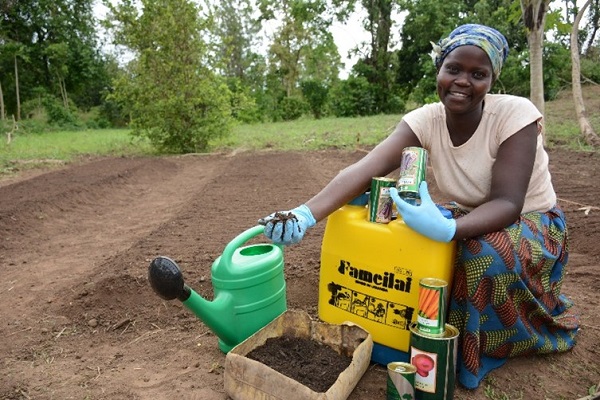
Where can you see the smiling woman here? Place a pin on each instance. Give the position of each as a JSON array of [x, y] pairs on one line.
[[487, 155]]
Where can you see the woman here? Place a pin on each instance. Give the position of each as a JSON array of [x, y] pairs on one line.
[[487, 154]]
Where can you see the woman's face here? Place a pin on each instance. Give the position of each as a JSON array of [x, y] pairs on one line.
[[464, 79]]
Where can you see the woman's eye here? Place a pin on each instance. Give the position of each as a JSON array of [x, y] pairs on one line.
[[479, 75]]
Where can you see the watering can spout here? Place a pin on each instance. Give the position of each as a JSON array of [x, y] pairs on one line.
[[167, 281], [249, 288]]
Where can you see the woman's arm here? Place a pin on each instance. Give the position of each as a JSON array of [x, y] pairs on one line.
[[356, 178], [510, 178]]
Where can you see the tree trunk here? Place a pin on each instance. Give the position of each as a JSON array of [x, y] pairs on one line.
[[590, 137], [536, 69], [2, 117], [17, 89], [534, 17], [63, 92]]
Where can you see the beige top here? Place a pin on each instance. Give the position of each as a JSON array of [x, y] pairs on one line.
[[464, 172]]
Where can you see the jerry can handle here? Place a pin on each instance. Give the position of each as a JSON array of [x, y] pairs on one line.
[[240, 239]]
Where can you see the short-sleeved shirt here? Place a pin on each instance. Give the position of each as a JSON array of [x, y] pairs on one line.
[[464, 173]]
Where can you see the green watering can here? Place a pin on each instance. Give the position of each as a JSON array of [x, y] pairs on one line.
[[249, 288]]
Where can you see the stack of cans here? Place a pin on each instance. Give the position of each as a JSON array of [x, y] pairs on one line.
[[413, 170], [433, 343]]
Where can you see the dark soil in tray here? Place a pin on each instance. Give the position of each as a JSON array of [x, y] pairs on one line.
[[313, 364]]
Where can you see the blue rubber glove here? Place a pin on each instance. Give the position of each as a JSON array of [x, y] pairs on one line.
[[426, 218], [288, 227]]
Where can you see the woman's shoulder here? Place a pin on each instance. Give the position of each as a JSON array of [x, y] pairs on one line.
[[508, 103], [503, 100], [430, 110]]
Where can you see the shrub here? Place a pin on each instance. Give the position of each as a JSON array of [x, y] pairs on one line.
[[292, 108]]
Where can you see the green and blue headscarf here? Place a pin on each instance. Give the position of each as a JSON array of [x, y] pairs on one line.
[[488, 39]]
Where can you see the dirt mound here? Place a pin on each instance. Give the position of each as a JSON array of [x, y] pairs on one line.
[[79, 319]]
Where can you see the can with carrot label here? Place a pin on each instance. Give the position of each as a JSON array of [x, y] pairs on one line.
[[431, 318]]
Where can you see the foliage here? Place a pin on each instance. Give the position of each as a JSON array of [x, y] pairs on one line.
[[292, 108], [557, 69], [302, 48], [315, 94], [55, 46], [514, 78], [236, 32], [243, 106], [173, 98], [590, 69], [353, 97]]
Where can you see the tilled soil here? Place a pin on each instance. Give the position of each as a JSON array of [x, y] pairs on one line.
[[78, 319]]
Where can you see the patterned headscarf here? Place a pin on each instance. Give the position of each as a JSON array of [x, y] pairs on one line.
[[488, 39]]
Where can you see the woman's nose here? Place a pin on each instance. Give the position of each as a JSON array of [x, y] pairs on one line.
[[462, 79]]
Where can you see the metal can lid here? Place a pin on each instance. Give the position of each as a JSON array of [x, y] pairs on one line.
[[384, 179], [433, 282], [401, 367], [450, 332]]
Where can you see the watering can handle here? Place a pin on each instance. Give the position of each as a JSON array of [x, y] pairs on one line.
[[240, 239]]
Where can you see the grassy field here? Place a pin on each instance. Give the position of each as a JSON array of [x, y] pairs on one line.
[[33, 150]]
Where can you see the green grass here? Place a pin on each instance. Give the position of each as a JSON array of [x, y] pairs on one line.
[[562, 126], [33, 150], [309, 134]]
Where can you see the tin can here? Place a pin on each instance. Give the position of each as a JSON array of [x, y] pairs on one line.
[[401, 381], [435, 359], [431, 317], [413, 171], [380, 201]]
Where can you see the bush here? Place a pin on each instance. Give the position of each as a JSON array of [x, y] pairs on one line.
[[353, 97], [315, 93], [292, 108], [590, 69]]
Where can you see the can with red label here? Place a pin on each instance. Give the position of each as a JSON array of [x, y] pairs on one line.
[[435, 359]]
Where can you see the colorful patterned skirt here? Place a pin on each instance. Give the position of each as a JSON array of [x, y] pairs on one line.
[[506, 298]]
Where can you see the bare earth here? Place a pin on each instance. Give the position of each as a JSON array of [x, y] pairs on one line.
[[78, 319]]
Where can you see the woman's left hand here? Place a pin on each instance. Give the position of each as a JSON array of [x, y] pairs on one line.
[[426, 218]]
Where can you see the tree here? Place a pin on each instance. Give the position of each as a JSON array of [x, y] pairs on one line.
[[302, 46], [58, 51], [377, 65], [236, 30], [2, 113], [426, 21], [57, 60], [16, 50], [174, 98], [589, 135], [534, 17], [594, 24]]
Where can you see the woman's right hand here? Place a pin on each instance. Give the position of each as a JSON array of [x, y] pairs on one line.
[[288, 227]]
